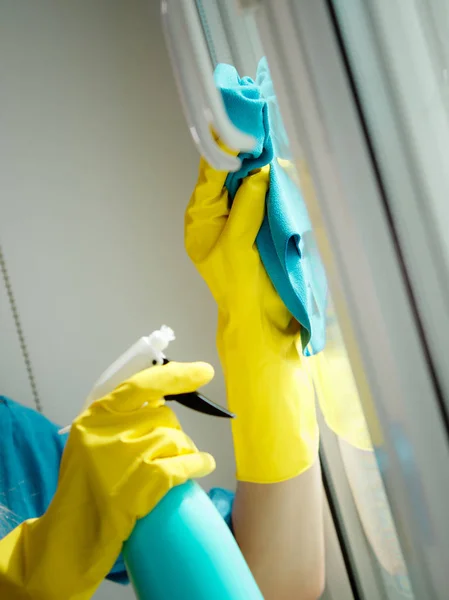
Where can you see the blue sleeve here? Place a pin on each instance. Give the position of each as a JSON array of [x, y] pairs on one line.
[[223, 500], [30, 455]]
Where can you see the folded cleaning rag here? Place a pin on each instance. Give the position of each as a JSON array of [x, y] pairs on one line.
[[285, 241]]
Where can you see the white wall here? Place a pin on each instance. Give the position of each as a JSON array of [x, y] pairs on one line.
[[14, 382], [96, 167]]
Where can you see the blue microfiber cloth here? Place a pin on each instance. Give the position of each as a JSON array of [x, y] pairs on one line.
[[285, 240]]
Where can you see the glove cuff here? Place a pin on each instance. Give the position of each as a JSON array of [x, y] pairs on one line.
[[275, 431]]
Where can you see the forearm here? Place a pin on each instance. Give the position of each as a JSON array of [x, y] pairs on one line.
[[279, 528], [277, 517]]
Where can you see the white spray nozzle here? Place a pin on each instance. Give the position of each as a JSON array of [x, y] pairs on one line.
[[160, 339], [145, 352]]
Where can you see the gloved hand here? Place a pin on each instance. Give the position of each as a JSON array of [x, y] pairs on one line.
[[275, 432], [120, 460]]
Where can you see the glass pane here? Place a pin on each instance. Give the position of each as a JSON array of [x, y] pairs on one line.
[[381, 570], [399, 53], [344, 416], [231, 35]]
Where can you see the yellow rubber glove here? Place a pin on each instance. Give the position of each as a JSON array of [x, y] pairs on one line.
[[120, 460], [275, 432]]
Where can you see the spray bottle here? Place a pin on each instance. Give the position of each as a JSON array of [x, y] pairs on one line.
[[182, 550]]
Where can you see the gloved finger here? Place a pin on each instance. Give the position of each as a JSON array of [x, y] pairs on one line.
[[164, 441], [204, 226], [151, 385], [152, 479], [206, 212], [209, 199], [133, 427], [248, 209], [192, 465], [178, 469]]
